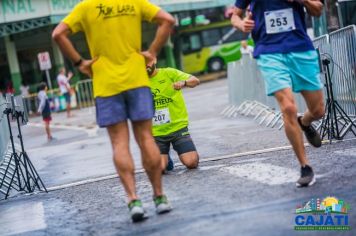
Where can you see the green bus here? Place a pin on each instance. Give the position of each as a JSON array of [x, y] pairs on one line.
[[208, 48]]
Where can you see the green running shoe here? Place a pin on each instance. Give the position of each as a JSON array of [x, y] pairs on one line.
[[162, 204], [136, 211]]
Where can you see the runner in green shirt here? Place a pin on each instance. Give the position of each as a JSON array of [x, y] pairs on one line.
[[170, 122]]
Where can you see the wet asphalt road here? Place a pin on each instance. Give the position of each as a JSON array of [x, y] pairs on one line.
[[239, 195]]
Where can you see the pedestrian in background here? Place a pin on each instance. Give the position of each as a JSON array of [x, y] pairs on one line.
[[64, 88], [44, 108], [25, 93], [121, 85], [245, 48], [9, 87], [289, 63]]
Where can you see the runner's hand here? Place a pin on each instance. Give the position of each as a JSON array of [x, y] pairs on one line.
[[178, 85], [247, 24], [150, 58], [85, 67]]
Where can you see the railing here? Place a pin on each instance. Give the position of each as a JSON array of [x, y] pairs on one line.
[[57, 103], [343, 67], [85, 93], [246, 83], [4, 131]]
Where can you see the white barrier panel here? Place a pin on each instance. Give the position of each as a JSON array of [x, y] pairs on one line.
[[246, 83], [4, 130], [343, 67]]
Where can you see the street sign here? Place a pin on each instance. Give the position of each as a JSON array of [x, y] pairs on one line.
[[44, 60]]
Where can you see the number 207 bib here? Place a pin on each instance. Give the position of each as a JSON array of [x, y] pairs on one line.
[[161, 117], [279, 21]]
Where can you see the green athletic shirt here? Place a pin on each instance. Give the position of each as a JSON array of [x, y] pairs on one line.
[[170, 111]]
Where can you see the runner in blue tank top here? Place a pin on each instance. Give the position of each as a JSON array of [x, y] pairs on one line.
[[288, 63]]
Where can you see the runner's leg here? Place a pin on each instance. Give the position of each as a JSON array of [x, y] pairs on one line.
[[150, 153], [190, 159], [315, 104], [164, 162], [289, 110], [119, 136]]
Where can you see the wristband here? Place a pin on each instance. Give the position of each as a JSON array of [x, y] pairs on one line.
[[76, 64], [185, 83]]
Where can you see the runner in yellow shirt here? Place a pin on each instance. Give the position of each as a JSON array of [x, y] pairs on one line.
[[112, 29], [170, 122]]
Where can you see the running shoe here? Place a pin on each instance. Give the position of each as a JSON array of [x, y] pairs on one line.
[[136, 210], [310, 133], [162, 204], [307, 177], [170, 165]]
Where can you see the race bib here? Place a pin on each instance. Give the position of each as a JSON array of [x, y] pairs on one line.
[[161, 117], [279, 21]]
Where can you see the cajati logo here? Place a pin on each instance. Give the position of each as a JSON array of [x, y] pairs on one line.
[[329, 213]]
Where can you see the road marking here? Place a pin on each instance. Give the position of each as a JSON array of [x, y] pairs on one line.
[[92, 131], [218, 158], [263, 172], [64, 145], [23, 218], [210, 167]]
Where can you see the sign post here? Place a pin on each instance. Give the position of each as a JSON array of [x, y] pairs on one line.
[[45, 65]]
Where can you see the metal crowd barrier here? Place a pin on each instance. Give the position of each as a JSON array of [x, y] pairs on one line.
[[58, 103], [247, 94], [246, 83], [343, 66], [85, 93], [247, 90], [4, 131]]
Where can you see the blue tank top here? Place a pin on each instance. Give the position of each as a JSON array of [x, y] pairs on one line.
[[279, 26]]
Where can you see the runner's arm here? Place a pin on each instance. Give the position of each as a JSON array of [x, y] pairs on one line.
[[165, 23], [314, 7], [60, 35], [191, 82], [246, 24]]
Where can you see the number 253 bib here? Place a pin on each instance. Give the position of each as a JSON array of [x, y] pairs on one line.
[[279, 21]]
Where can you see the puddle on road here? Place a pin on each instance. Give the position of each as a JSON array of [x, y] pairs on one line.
[[351, 152], [23, 218], [263, 173]]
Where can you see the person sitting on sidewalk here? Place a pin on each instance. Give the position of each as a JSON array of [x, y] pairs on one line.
[[44, 108], [170, 122]]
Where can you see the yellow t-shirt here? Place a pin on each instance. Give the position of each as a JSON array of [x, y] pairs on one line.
[[113, 33]]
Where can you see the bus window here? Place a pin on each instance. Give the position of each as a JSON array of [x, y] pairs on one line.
[[233, 37], [191, 43], [211, 37]]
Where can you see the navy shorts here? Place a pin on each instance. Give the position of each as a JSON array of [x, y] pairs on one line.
[[135, 104], [67, 97], [181, 142]]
